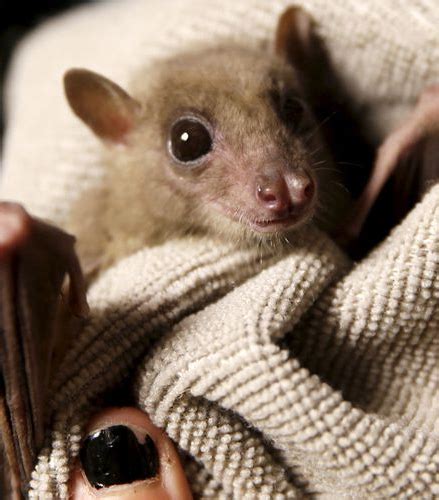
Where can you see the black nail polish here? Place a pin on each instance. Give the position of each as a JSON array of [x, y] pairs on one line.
[[114, 456]]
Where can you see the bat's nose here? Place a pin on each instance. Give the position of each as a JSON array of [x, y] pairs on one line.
[[273, 194], [301, 188], [279, 194]]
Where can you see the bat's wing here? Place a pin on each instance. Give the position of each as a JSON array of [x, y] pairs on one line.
[[34, 261], [410, 155]]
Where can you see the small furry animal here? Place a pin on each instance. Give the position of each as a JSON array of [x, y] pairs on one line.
[[225, 140], [229, 141]]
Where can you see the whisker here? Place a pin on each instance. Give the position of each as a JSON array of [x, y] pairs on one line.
[[317, 163], [326, 169], [320, 125]]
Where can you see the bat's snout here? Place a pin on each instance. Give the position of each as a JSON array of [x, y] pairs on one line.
[[283, 194]]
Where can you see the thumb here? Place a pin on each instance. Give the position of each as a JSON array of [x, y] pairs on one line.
[[125, 456]]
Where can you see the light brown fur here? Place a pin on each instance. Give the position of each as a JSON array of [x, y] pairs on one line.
[[146, 199]]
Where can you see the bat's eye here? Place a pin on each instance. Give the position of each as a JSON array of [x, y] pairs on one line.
[[190, 139], [292, 111], [295, 115]]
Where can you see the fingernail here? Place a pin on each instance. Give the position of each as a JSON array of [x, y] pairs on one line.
[[114, 455]]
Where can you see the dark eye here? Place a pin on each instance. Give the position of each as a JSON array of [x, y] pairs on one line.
[[291, 111], [190, 139]]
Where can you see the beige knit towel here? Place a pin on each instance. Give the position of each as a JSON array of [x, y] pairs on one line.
[[279, 376]]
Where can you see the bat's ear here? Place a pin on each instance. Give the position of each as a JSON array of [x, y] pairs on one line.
[[295, 39], [101, 104]]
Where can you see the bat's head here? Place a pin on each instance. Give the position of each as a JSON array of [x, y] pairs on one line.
[[217, 139]]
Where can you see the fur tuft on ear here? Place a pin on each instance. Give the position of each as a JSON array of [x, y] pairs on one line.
[[101, 104]]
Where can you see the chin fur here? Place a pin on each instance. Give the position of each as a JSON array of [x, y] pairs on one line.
[[243, 235]]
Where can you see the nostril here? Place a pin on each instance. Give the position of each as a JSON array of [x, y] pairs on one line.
[[270, 198], [266, 194], [273, 196]]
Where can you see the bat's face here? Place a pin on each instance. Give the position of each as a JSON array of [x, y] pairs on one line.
[[228, 139], [217, 140], [255, 184], [240, 150]]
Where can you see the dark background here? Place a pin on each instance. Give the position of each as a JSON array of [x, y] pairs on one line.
[[16, 19]]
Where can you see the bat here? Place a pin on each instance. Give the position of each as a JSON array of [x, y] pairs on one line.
[[228, 141], [219, 140], [237, 143]]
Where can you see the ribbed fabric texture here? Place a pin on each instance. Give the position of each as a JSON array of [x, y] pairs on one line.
[[279, 376]]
